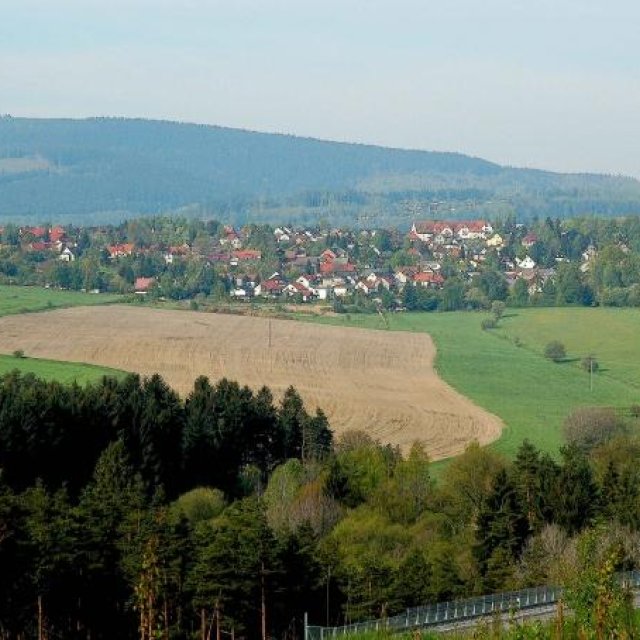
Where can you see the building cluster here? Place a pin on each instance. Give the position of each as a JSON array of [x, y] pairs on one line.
[[308, 264]]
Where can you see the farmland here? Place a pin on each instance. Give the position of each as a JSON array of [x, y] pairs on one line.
[[380, 382], [20, 300], [531, 395]]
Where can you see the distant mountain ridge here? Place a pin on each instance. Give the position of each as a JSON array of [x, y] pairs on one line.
[[105, 169]]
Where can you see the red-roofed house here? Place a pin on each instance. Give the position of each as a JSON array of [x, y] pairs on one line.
[[120, 250], [246, 254], [40, 246], [298, 289], [272, 287], [142, 285], [56, 234], [428, 279], [36, 232]]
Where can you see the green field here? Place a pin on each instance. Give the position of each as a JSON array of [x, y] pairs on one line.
[[14, 299], [65, 372], [531, 394]]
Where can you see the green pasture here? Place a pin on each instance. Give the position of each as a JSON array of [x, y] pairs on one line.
[[16, 299], [65, 372], [510, 377]]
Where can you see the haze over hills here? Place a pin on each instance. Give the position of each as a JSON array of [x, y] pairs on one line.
[[107, 169]]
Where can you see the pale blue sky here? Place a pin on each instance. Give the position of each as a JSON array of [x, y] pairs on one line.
[[539, 83]]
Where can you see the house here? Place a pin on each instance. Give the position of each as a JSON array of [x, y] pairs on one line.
[[526, 263], [310, 282], [496, 241], [241, 293], [404, 275], [367, 287], [175, 251], [270, 288], [36, 232], [298, 289], [142, 285], [56, 234], [440, 231], [282, 235], [66, 255], [327, 256], [529, 240], [337, 266], [246, 254], [428, 279], [40, 246], [120, 250]]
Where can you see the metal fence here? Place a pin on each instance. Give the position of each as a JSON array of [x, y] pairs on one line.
[[448, 613]]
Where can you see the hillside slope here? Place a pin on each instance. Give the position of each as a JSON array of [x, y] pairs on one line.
[[104, 169]]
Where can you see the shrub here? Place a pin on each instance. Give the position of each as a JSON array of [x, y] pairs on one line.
[[200, 504], [489, 323], [555, 351], [589, 363], [18, 353], [497, 308], [589, 427]]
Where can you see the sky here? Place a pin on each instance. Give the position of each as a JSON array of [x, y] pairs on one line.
[[536, 83]]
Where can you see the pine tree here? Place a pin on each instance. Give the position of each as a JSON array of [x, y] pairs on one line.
[[576, 496], [412, 583], [502, 524]]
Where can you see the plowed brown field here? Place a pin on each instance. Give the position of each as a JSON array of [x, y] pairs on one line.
[[378, 381]]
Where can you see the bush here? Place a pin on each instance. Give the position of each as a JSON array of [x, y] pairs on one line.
[[497, 308], [555, 351], [589, 363], [489, 323], [200, 504], [18, 353], [589, 427]]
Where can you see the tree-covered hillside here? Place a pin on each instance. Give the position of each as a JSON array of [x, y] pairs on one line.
[[101, 170]]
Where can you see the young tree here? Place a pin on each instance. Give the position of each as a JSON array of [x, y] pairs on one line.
[[497, 309], [555, 351]]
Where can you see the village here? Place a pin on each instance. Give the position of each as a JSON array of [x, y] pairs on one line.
[[178, 259]]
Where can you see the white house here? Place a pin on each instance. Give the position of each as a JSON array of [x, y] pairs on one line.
[[66, 255], [526, 263]]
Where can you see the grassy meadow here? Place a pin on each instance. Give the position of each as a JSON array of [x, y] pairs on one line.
[[504, 371], [65, 372], [16, 300]]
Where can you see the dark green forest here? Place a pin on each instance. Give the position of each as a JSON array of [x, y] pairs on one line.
[[105, 169], [129, 512]]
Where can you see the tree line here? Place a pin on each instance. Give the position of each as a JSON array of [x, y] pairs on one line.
[[128, 512]]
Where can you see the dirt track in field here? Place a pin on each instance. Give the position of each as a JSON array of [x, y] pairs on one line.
[[377, 381]]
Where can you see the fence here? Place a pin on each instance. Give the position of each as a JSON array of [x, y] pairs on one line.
[[450, 613]]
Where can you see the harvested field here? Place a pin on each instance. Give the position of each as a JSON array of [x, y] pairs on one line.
[[378, 381]]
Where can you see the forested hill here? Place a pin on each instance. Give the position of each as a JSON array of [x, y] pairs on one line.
[[105, 169]]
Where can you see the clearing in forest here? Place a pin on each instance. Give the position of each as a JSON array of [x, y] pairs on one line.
[[378, 381]]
